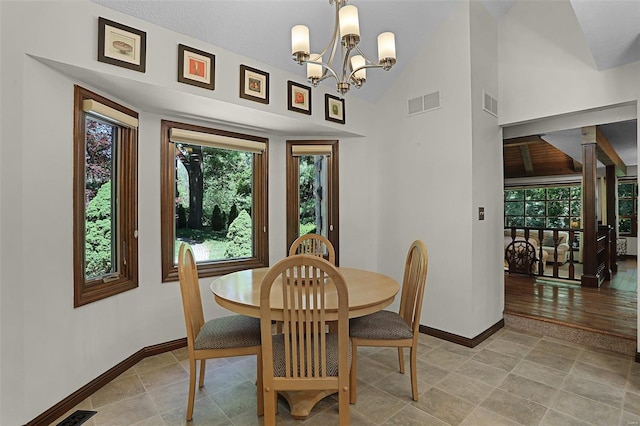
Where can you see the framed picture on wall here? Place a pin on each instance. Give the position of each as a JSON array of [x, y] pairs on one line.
[[299, 98], [121, 45], [254, 84], [333, 108], [196, 67]]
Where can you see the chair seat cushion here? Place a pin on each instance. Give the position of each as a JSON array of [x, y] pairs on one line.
[[381, 325], [235, 331], [279, 366]]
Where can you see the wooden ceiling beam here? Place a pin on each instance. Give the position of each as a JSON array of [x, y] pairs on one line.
[[577, 166], [526, 159], [525, 140], [607, 155]]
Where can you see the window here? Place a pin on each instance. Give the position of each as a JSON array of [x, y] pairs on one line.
[[543, 207], [628, 208], [312, 190], [214, 196], [105, 245]]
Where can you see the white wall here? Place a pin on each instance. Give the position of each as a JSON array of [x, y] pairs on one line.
[[427, 164], [546, 68], [487, 289], [49, 349]]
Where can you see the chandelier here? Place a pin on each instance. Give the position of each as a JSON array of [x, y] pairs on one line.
[[352, 61]]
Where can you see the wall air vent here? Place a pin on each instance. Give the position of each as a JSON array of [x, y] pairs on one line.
[[424, 103], [489, 103]]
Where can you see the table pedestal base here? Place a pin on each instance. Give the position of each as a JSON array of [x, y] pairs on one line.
[[302, 402]]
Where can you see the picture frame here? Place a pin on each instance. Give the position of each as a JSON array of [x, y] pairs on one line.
[[121, 45], [298, 98], [196, 67], [334, 109], [254, 84]]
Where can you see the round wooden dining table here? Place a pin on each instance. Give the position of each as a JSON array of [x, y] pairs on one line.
[[368, 292]]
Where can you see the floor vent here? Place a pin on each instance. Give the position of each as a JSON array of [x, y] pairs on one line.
[[424, 103], [489, 103], [77, 418]]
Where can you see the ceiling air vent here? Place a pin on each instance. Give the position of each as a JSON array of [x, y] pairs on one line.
[[489, 103], [424, 103]]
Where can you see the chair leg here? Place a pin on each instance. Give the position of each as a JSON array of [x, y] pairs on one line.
[[270, 403], [353, 374], [414, 376], [343, 407], [401, 360], [259, 385], [192, 387], [203, 366]]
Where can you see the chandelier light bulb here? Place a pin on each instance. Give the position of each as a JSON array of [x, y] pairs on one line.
[[357, 62], [386, 46], [299, 39], [314, 71], [349, 21]]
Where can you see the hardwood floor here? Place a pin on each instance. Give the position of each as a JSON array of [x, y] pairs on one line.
[[610, 309]]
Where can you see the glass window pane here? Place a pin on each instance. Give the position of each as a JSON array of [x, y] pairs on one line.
[[576, 207], [100, 196], [535, 194], [213, 202], [313, 194], [625, 207], [576, 192], [514, 221], [624, 226], [625, 190], [514, 208], [514, 194], [535, 208], [534, 222], [561, 193], [557, 222], [558, 208]]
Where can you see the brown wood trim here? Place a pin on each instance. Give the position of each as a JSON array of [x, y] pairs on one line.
[[293, 196], [90, 291], [464, 341], [87, 390], [260, 206], [637, 357]]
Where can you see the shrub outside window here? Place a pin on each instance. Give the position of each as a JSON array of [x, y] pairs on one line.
[[214, 198], [105, 198]]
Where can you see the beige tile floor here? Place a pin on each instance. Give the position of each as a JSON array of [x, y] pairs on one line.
[[513, 378]]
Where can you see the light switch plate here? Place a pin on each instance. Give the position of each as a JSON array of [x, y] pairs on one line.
[[481, 213]]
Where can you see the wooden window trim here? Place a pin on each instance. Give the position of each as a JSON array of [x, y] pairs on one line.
[[293, 196], [167, 215], [90, 291], [633, 217]]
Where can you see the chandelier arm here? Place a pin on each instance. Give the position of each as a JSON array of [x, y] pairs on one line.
[[366, 58], [326, 68], [351, 76]]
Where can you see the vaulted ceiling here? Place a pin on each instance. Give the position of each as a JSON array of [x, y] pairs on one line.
[[260, 29]]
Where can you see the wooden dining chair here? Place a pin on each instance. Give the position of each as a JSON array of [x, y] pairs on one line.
[[313, 244], [304, 357], [234, 335], [390, 329]]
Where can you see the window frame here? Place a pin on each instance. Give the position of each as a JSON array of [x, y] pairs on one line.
[[260, 206], [634, 201], [546, 200], [293, 196], [86, 292]]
